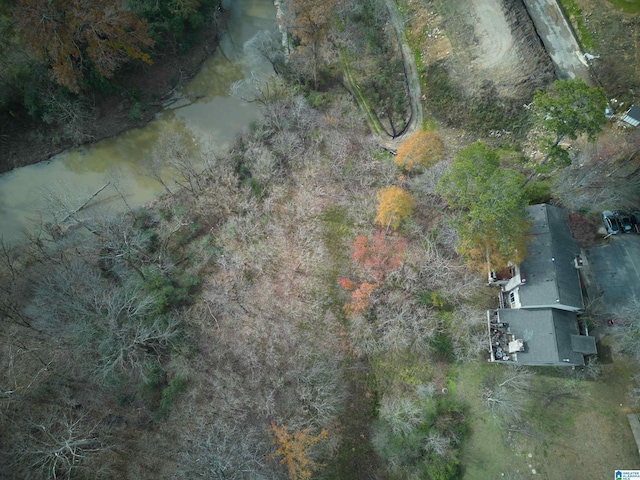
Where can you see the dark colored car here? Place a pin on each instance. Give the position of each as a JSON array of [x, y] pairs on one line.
[[635, 219], [610, 222], [624, 220]]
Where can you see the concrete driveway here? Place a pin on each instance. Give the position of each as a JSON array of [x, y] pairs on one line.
[[613, 271], [558, 39]]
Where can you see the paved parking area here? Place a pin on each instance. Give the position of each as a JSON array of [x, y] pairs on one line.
[[613, 271]]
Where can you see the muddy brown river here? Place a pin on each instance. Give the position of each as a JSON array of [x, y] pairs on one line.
[[28, 195]]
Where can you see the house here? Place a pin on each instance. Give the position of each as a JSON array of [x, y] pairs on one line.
[[632, 116], [540, 299]]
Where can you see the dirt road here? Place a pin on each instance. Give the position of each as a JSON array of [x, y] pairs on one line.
[[413, 86], [411, 75]]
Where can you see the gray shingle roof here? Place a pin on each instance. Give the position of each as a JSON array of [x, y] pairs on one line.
[[548, 335], [583, 344], [632, 116], [551, 277]]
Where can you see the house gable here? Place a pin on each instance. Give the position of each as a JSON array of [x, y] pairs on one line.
[[548, 273]]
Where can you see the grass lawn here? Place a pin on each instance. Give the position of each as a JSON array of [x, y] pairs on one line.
[[627, 6], [575, 428], [485, 453]]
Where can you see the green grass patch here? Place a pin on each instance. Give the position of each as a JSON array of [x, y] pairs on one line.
[[363, 103], [561, 408], [574, 14], [401, 371], [485, 453], [554, 402], [626, 6], [355, 458], [337, 230]]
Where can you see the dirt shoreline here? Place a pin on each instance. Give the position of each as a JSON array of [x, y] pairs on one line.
[[26, 142]]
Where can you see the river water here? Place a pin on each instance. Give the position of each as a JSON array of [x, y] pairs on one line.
[[29, 194]]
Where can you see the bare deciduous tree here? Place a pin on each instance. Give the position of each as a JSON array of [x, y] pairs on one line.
[[506, 398], [267, 46], [57, 445], [590, 188], [437, 443], [226, 450], [402, 414], [114, 328]]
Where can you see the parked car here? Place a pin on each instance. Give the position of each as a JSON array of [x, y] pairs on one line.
[[635, 219], [624, 220], [610, 223]]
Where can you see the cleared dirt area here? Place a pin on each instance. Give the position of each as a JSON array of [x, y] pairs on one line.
[[494, 43], [495, 47]]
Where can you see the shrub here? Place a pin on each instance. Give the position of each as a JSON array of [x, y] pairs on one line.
[[177, 385]]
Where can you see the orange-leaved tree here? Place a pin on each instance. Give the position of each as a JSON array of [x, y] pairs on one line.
[[421, 149], [70, 35], [294, 447], [394, 205], [377, 257]]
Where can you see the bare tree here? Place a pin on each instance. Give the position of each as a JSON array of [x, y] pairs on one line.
[[437, 443], [263, 89], [115, 328], [626, 331], [589, 187], [225, 450], [402, 414], [468, 331], [506, 398], [267, 46], [56, 446]]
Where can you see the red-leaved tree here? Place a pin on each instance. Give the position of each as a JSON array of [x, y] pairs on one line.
[[376, 257]]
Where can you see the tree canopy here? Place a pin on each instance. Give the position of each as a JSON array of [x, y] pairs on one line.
[[394, 205], [571, 108], [71, 36], [490, 202], [421, 149]]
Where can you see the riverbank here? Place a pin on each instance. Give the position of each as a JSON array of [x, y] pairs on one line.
[[139, 96]]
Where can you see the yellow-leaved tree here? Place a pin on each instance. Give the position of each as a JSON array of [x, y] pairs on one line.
[[422, 149], [293, 448], [394, 205]]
